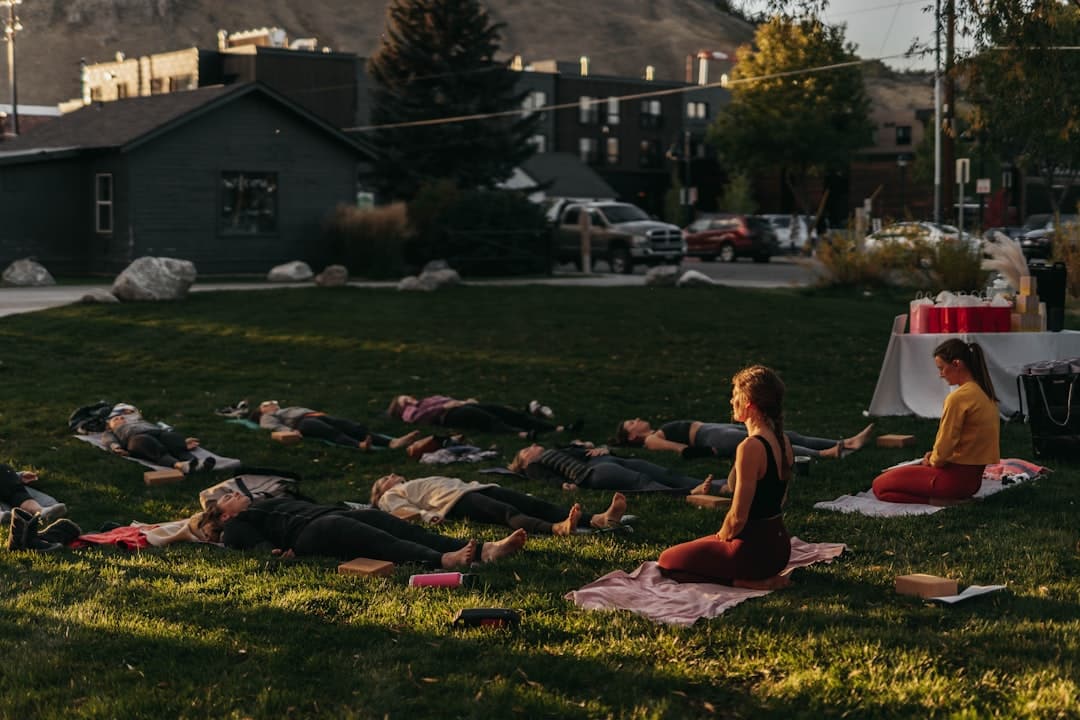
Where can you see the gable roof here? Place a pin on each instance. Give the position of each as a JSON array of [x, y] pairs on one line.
[[125, 124], [569, 177]]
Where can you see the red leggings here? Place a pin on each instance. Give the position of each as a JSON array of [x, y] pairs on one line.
[[921, 483], [760, 551]]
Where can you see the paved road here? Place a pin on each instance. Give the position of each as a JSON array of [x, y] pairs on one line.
[[781, 272]]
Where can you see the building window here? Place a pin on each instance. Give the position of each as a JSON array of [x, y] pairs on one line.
[[180, 82], [534, 101], [122, 91], [613, 111], [95, 93], [103, 203], [588, 151], [588, 110], [697, 110], [649, 156], [248, 203], [539, 142], [155, 86], [903, 134], [612, 151], [651, 115]]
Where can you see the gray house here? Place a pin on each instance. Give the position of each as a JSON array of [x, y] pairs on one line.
[[234, 178]]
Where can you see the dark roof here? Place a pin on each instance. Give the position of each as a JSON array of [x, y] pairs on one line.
[[125, 123], [567, 175]]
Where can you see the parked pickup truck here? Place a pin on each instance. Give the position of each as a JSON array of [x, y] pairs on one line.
[[621, 234]]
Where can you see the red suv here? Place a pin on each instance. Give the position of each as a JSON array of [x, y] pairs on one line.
[[730, 236]]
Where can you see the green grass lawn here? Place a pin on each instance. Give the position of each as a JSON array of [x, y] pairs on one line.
[[198, 632]]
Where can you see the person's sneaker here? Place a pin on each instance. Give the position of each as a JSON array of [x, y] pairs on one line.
[[540, 411], [52, 512]]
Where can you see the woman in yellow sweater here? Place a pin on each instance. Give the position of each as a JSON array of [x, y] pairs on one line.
[[967, 438]]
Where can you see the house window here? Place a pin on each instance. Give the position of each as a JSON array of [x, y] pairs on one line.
[[613, 111], [539, 142], [103, 203], [533, 102], [697, 110], [156, 85], [903, 134], [121, 91], [612, 150], [588, 110], [248, 203], [651, 115], [588, 151], [180, 82], [95, 93], [649, 155]]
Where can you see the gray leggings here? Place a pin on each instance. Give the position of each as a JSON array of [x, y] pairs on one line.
[[723, 438], [608, 472]]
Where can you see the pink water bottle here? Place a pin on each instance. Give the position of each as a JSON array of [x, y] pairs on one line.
[[441, 579]]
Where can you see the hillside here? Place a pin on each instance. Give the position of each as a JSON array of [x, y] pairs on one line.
[[620, 36]]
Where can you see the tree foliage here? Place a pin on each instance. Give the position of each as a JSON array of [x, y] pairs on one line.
[[437, 60], [789, 108], [1024, 83]]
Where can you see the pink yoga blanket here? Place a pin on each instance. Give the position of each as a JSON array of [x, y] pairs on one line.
[[646, 592]]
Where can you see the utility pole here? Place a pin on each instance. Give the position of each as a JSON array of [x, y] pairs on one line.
[[937, 111], [948, 140], [12, 26]]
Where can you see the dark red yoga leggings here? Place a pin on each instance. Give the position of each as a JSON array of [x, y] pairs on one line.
[[760, 551], [921, 483]]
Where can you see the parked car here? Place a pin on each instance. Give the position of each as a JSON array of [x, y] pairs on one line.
[[729, 236], [910, 232], [622, 234], [1037, 241], [790, 236]]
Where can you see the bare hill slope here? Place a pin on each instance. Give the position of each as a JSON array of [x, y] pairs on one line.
[[620, 36]]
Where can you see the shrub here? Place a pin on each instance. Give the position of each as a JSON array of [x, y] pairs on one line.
[[738, 195], [369, 241], [845, 263], [956, 267]]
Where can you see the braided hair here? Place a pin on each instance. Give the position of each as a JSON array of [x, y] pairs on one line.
[[765, 390], [971, 354]]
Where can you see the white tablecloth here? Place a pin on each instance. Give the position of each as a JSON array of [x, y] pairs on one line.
[[909, 383]]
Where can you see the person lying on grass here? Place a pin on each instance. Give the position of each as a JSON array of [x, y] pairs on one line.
[[312, 423], [693, 438], [445, 498], [128, 433], [293, 527], [968, 436], [14, 494], [752, 545], [581, 465], [472, 414]]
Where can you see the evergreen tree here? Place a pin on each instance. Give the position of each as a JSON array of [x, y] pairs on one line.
[[437, 60]]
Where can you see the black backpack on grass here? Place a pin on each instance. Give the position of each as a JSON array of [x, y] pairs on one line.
[[90, 419]]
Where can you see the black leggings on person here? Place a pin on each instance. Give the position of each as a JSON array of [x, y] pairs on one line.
[[163, 447], [374, 534], [338, 430], [494, 419], [502, 506], [12, 490]]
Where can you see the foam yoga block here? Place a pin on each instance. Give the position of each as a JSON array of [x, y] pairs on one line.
[[366, 567], [708, 501], [161, 477], [895, 441], [287, 437], [925, 586]]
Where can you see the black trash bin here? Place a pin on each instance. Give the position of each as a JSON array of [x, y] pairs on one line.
[[1050, 286]]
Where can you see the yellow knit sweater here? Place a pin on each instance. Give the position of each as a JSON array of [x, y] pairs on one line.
[[970, 428]]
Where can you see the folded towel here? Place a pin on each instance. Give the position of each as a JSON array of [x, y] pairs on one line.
[[221, 462], [648, 593], [997, 477]]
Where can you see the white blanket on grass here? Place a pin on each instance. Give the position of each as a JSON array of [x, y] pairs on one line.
[[1007, 473], [648, 593], [222, 463]]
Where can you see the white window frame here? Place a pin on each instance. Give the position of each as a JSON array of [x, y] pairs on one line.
[[588, 110], [613, 111], [103, 203]]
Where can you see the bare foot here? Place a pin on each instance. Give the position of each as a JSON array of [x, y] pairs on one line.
[[404, 440], [613, 515], [191, 443], [856, 442], [365, 444], [569, 487], [569, 525], [460, 558], [776, 582], [503, 548], [704, 488]]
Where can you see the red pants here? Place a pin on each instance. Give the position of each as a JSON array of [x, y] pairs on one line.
[[760, 551], [921, 483]]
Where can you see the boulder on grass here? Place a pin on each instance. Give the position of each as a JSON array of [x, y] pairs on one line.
[[295, 271], [99, 296], [332, 276], [694, 278], [27, 273], [430, 280], [662, 276], [155, 278]]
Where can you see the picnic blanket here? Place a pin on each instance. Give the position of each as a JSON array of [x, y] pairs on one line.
[[998, 477], [222, 463], [648, 593]]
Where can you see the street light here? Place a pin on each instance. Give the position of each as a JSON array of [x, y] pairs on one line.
[[12, 26]]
